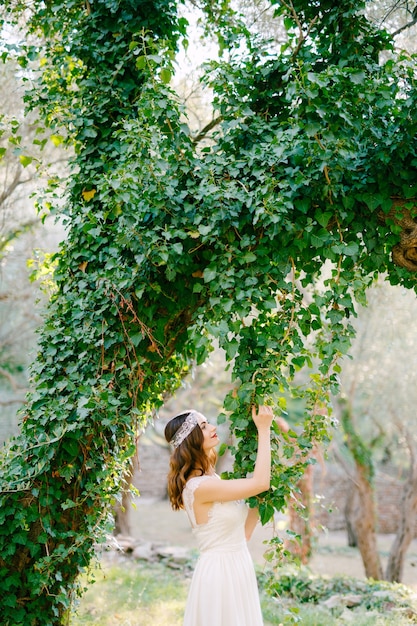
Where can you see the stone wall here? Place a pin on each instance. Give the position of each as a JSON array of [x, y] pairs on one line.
[[153, 470]]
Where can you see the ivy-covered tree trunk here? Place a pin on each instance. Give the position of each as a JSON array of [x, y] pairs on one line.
[[364, 514], [170, 245], [61, 475]]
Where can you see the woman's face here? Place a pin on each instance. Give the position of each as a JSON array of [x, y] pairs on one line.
[[209, 433]]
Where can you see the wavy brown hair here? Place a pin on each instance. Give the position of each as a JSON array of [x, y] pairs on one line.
[[187, 458]]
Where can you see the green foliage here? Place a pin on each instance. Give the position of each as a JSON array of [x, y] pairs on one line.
[[301, 586], [263, 241]]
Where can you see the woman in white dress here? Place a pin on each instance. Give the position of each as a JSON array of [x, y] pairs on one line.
[[223, 590]]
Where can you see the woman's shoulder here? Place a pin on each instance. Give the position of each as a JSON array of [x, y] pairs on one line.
[[194, 482]]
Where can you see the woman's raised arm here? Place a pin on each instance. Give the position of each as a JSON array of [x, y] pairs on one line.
[[236, 489]]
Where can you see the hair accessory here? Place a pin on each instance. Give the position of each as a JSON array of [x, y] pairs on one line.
[[185, 429]]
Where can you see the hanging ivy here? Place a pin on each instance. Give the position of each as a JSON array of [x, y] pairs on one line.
[[264, 241]]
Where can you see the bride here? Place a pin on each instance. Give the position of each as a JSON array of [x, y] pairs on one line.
[[223, 590]]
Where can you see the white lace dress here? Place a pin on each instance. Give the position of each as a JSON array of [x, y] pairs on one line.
[[223, 589]]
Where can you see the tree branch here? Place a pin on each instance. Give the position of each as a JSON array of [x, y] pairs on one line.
[[10, 188], [11, 379], [214, 122], [408, 25], [12, 401], [302, 37]]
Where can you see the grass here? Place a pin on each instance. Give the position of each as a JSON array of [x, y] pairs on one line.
[[133, 593]]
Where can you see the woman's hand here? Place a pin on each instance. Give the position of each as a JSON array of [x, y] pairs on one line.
[[262, 417]]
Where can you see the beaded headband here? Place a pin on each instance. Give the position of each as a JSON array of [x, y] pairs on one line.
[[185, 429]]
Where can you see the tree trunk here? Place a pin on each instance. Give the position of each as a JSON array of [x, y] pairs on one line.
[[122, 508], [300, 522], [365, 514], [91, 389], [365, 524], [406, 526], [349, 511]]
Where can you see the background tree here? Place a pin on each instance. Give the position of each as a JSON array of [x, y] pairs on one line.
[[311, 172], [378, 418]]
